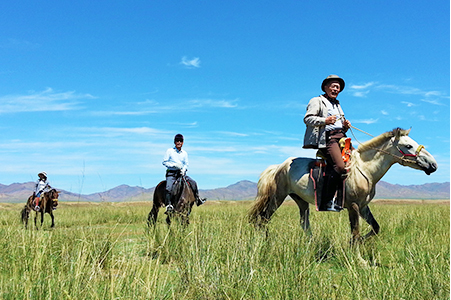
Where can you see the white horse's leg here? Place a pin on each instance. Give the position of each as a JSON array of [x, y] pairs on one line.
[[304, 212], [369, 218], [273, 204], [354, 214]]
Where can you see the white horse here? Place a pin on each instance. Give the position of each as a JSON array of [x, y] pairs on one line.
[[369, 163]]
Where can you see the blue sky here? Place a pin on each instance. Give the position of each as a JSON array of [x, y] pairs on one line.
[[92, 92]]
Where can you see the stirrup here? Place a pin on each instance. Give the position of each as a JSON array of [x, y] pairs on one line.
[[332, 206]]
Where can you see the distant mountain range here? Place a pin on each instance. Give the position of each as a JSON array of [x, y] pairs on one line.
[[242, 190]]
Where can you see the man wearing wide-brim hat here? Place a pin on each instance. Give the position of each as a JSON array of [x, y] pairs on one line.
[[326, 125]]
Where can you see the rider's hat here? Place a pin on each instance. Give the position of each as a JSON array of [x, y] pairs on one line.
[[178, 137], [335, 78], [43, 173]]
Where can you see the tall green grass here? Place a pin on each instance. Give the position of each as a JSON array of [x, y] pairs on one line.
[[106, 251]]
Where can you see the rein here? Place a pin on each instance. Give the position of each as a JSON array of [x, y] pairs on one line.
[[403, 160]]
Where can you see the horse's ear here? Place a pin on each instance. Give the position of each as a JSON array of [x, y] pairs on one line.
[[398, 132]]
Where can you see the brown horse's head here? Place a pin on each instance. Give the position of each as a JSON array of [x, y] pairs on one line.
[[53, 197]]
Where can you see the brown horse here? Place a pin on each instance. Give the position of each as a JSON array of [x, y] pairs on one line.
[[184, 201], [48, 203]]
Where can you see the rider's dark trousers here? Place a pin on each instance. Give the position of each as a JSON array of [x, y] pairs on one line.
[[335, 164], [333, 152]]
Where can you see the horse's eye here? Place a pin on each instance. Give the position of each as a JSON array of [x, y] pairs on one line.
[[409, 146]]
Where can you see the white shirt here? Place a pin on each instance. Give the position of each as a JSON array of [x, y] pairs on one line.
[[42, 186], [332, 109], [176, 160]]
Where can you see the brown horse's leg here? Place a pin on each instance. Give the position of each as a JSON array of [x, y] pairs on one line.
[[35, 222], [53, 219], [369, 218], [353, 212]]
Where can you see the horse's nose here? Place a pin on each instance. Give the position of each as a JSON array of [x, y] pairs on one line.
[[432, 168]]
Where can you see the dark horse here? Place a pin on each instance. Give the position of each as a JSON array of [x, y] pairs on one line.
[[183, 200], [48, 203]]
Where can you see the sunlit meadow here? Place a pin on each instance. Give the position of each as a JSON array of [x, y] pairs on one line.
[[106, 251]]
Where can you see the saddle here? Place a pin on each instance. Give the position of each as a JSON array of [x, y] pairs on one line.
[[177, 189], [322, 183]]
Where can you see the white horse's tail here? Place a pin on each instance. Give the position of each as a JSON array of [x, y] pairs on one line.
[[272, 187]]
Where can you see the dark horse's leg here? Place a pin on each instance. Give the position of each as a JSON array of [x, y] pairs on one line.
[[158, 201], [304, 211]]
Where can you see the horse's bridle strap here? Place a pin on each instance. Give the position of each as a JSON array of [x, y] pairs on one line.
[[420, 147]]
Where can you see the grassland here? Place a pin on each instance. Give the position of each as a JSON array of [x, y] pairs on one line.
[[105, 251]]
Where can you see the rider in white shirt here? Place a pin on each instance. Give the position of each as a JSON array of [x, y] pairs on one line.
[[176, 162], [42, 186]]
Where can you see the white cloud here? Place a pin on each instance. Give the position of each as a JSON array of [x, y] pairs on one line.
[[385, 113], [409, 104], [407, 90], [361, 90], [360, 94], [430, 101], [361, 87], [190, 63], [366, 121], [364, 89], [47, 100], [230, 133], [214, 103]]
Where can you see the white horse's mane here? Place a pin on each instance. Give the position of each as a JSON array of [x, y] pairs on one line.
[[379, 140]]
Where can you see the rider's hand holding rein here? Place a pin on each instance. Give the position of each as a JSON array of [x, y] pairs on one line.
[[333, 119]]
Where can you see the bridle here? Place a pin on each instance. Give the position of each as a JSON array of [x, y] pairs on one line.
[[404, 158], [404, 155]]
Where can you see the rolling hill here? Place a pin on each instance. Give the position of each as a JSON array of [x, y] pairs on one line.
[[242, 190]]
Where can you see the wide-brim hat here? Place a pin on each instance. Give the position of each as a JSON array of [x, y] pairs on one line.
[[333, 77]]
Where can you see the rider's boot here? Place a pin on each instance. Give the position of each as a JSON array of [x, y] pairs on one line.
[[200, 201], [167, 202], [331, 193]]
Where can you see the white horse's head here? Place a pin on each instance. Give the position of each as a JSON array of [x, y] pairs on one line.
[[411, 153]]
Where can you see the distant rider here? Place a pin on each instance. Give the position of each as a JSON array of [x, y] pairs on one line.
[[42, 186], [176, 162]]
